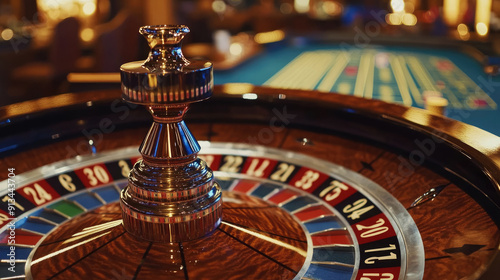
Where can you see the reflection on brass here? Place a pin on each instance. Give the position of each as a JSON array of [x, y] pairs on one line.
[[171, 194]]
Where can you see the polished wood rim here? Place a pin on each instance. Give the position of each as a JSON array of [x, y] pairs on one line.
[[471, 141]]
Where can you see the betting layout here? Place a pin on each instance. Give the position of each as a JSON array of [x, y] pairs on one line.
[[392, 76]]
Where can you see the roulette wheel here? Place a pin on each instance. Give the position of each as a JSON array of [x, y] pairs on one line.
[[313, 186]]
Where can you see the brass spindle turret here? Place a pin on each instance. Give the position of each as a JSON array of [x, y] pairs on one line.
[[171, 194]]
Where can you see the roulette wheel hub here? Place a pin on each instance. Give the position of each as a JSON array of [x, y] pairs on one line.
[[171, 195]]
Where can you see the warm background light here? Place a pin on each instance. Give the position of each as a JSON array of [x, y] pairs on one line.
[[394, 19], [301, 6], [409, 19], [87, 34], [453, 11], [483, 14], [60, 9], [236, 49], [332, 8], [7, 34], [269, 37], [463, 31], [481, 28], [89, 8], [398, 6], [219, 6]]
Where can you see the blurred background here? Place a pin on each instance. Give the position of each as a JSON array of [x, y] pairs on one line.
[[42, 41]]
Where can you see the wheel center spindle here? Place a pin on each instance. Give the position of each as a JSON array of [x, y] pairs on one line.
[[171, 194]]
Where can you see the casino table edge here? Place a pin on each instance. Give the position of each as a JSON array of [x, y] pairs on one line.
[[473, 142]]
